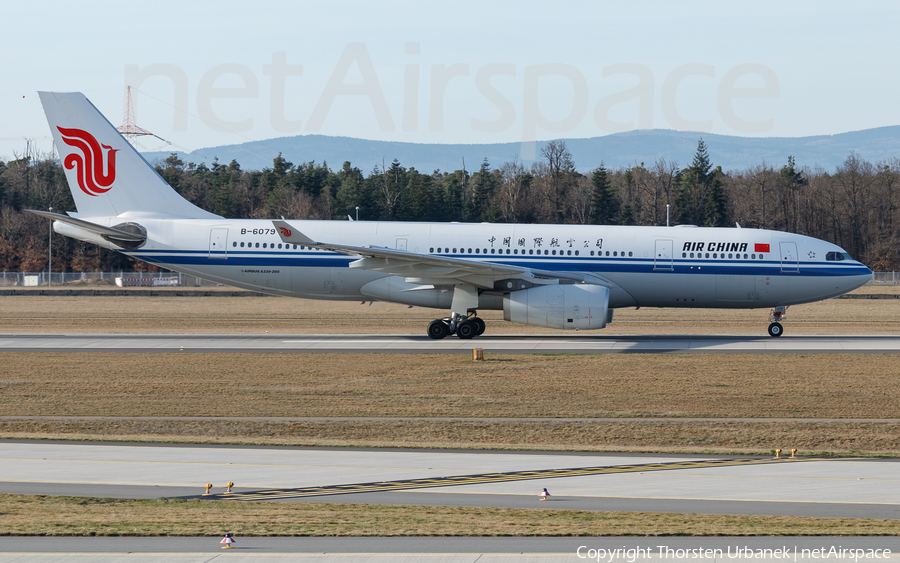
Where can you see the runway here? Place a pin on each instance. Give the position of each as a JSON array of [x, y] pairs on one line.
[[410, 344]]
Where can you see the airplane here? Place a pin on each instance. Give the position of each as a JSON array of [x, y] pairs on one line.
[[556, 276]]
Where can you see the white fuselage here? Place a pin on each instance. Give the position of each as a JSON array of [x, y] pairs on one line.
[[642, 266]]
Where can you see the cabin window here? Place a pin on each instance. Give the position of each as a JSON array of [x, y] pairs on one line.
[[530, 252], [576, 253], [629, 254], [592, 252], [729, 256], [257, 245], [753, 256]]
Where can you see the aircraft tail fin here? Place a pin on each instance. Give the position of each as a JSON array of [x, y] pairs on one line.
[[106, 175]]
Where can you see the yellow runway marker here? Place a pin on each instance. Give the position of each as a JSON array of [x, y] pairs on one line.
[[430, 482]]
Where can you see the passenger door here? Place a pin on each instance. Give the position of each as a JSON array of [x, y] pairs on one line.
[[218, 244], [663, 255], [789, 259]]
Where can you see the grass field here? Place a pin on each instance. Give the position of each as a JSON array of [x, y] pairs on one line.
[[68, 516], [685, 403]]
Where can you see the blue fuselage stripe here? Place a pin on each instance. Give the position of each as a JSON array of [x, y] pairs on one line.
[[550, 263]]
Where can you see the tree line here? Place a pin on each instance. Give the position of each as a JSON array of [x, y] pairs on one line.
[[855, 206]]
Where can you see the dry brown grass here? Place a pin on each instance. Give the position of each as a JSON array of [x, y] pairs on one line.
[[451, 385], [518, 400], [66, 516]]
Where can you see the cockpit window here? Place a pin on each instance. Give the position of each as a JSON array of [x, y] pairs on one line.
[[837, 256]]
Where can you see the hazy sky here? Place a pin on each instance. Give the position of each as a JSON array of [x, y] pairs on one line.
[[453, 72]]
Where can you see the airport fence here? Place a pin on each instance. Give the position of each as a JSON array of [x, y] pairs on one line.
[[102, 279], [166, 278]]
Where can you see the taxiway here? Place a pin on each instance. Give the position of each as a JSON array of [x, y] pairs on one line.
[[853, 488]]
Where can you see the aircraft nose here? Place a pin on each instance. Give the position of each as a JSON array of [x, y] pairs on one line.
[[865, 276]]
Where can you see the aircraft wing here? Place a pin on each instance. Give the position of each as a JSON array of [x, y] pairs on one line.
[[424, 268]]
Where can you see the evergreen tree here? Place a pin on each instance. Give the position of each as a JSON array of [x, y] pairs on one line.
[[484, 183], [627, 215], [603, 202], [716, 203], [790, 181], [693, 197], [351, 193]]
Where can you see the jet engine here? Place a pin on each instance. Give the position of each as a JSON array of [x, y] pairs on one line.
[[572, 306]]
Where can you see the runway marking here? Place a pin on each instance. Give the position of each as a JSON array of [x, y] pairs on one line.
[[405, 484]]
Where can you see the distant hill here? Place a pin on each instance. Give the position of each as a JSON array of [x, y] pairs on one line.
[[616, 150]]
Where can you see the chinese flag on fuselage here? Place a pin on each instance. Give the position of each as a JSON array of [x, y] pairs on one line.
[[761, 247]]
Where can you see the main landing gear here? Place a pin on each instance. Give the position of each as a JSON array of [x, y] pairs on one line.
[[775, 329], [465, 328]]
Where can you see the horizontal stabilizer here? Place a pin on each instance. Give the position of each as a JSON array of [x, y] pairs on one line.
[[125, 239]]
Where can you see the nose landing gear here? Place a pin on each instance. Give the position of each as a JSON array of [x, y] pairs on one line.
[[775, 329]]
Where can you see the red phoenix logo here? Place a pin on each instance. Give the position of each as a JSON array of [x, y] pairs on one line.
[[89, 164], [285, 231]]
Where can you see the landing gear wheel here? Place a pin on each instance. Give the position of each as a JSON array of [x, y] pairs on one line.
[[466, 330], [438, 329], [776, 330], [479, 326]]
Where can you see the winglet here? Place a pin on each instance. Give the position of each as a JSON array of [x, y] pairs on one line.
[[291, 235]]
